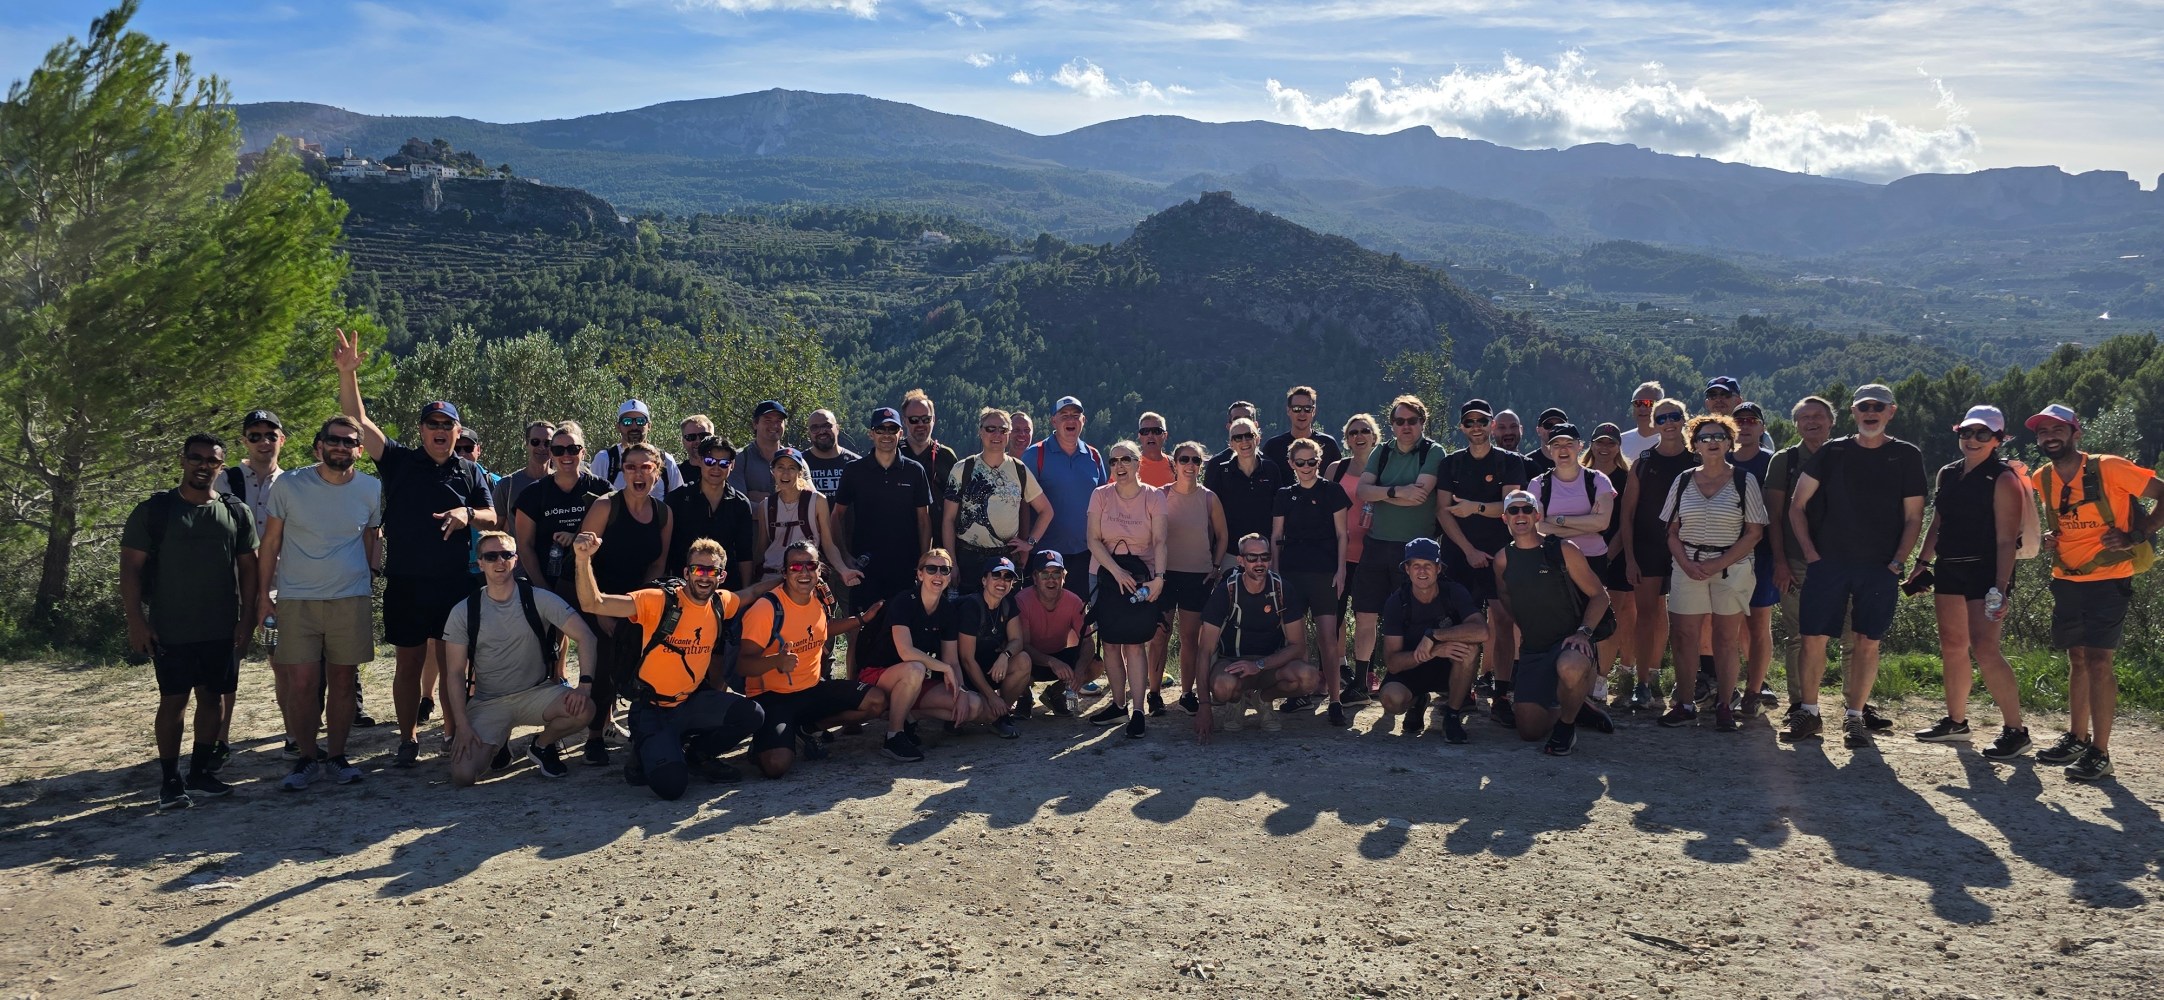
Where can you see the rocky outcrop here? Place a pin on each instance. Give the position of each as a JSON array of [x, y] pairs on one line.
[[487, 203]]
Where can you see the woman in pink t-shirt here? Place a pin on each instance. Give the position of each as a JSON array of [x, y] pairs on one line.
[[1127, 537]]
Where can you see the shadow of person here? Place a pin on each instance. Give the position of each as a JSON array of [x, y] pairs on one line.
[[2099, 861], [1732, 792], [1874, 822]]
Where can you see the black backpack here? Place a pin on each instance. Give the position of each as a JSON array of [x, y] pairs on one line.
[[162, 514], [1229, 583], [1683, 482], [1551, 550], [1420, 455], [544, 633], [1547, 481], [624, 670]]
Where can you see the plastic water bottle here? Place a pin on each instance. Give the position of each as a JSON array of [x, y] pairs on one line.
[[1994, 604], [1074, 702], [556, 560], [270, 631], [1140, 596]]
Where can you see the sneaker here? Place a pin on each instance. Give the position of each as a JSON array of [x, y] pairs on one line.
[[1641, 696], [342, 770], [363, 720], [900, 747], [2094, 765], [1298, 704], [1561, 743], [549, 759], [1416, 716], [1005, 727], [1022, 708], [409, 752], [2009, 745], [203, 784], [218, 757], [1702, 693], [1724, 720], [2068, 750], [173, 794], [1592, 716], [1946, 730], [1157, 704], [595, 753], [1856, 733], [812, 747], [1229, 716], [297, 779], [1802, 726], [1110, 715], [1270, 722], [1190, 704], [1484, 685], [1355, 689], [1683, 714], [1094, 687], [292, 751], [714, 771], [1454, 726], [1337, 715], [1767, 698], [1502, 711], [1135, 724], [428, 708], [1875, 722], [1752, 708], [502, 759]]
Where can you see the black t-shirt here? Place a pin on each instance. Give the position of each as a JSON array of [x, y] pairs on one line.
[[987, 622], [1261, 629], [415, 489], [826, 473], [1409, 618], [1249, 500], [1484, 480], [1856, 514], [927, 629], [1656, 474], [728, 522], [938, 461], [883, 501], [1275, 449], [552, 508], [1310, 526]]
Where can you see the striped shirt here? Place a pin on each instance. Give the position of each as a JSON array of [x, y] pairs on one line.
[[1714, 522]]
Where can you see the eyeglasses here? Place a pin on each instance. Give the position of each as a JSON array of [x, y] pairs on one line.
[[259, 437], [566, 449], [1977, 434], [1300, 409], [1306, 463], [1869, 406], [1189, 459], [816, 428], [696, 570], [464, 447], [339, 442], [203, 459], [920, 421], [1474, 422], [497, 556], [801, 567], [1148, 431], [1521, 508], [994, 431], [1668, 418], [537, 442], [1254, 557], [1710, 439], [936, 569], [439, 425], [632, 421], [1120, 459], [1003, 574], [1407, 421]]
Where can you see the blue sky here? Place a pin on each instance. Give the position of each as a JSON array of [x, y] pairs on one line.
[[1870, 90]]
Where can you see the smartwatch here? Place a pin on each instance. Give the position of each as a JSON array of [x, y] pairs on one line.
[[1392, 493], [586, 678]]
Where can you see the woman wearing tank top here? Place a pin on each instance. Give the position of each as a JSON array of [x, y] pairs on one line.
[[1127, 538], [1975, 527], [1577, 504], [1642, 543], [634, 530], [1359, 435], [1194, 546], [794, 511], [1606, 457]]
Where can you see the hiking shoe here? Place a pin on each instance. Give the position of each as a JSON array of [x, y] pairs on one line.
[[550, 759], [427, 708], [1190, 704], [173, 794], [1022, 708], [714, 771], [2068, 750], [1596, 718], [502, 759], [1297, 704], [216, 759], [1135, 725], [1752, 708], [1110, 715], [292, 751], [1560, 742], [1946, 730], [297, 779], [594, 753], [1802, 726], [2094, 765], [2009, 745], [1501, 710], [1337, 715], [342, 770], [1052, 699], [363, 720], [1767, 698], [1724, 720], [1416, 716], [814, 748], [1484, 685], [1875, 722], [1005, 727], [1856, 733], [1270, 722], [1454, 726], [1642, 695], [203, 784], [409, 752], [1683, 714], [1157, 704], [901, 747]]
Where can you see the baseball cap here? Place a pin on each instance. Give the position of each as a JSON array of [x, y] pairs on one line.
[[1566, 429], [1874, 391], [1753, 408], [1044, 559], [2057, 411], [767, 406], [1552, 413], [255, 417], [1427, 549], [789, 453], [1001, 563], [1609, 431], [1475, 406], [1988, 416], [439, 406], [637, 406], [1065, 402], [469, 434], [1516, 497], [883, 416], [1725, 383]]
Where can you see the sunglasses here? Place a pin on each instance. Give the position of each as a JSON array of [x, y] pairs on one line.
[[203, 459], [537, 442], [1189, 460], [464, 446], [1254, 557], [339, 442], [1977, 434], [887, 429], [1710, 438], [566, 449], [1643, 404], [816, 428], [633, 422], [1521, 508], [695, 437], [696, 570], [920, 421], [497, 556], [1244, 437], [1003, 574], [1407, 421], [1668, 418], [994, 431], [1148, 431], [719, 463], [1306, 463], [439, 425], [801, 567], [1122, 459], [258, 437], [1360, 430], [1747, 418], [936, 569], [1474, 422], [1300, 409], [1869, 406]]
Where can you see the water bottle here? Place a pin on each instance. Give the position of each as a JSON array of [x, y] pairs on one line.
[[1140, 596], [556, 560], [1074, 702], [1994, 604], [270, 631]]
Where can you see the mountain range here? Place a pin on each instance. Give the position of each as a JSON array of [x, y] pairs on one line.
[[1411, 191]]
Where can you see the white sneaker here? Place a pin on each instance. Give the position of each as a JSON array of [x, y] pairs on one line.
[[296, 780]]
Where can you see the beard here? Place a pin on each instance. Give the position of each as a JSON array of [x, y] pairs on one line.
[[2054, 448], [335, 463]]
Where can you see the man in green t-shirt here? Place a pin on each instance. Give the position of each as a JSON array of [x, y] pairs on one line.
[[1398, 490]]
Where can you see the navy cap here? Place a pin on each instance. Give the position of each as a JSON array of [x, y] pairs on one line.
[[469, 434], [1749, 407], [1044, 559], [1725, 383], [882, 416], [439, 406], [767, 406], [255, 417], [791, 454], [1427, 549], [1001, 563]]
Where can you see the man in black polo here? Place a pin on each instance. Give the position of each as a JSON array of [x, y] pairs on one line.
[[1300, 423], [883, 512], [710, 507], [919, 417], [432, 500], [1469, 496]]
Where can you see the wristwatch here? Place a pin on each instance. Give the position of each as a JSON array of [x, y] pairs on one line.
[[1391, 493], [586, 678], [1586, 630]]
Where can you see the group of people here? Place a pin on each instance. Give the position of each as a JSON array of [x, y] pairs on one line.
[[707, 594]]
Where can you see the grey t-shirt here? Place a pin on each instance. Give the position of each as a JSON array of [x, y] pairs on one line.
[[505, 658], [754, 472], [320, 555]]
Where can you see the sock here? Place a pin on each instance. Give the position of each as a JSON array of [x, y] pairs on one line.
[[1563, 731], [200, 759], [1809, 709], [1502, 689], [1705, 665], [1600, 689], [1855, 713], [171, 766]]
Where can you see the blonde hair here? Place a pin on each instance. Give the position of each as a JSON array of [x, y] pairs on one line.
[[1374, 427], [507, 541], [707, 546]]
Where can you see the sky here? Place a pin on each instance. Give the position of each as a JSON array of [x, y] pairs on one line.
[[1866, 89]]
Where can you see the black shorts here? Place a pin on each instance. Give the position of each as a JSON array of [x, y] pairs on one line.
[[791, 711], [2089, 613], [1344, 597], [1478, 582], [1654, 559], [1967, 579], [1431, 677], [1185, 591], [1533, 678], [1617, 575], [1309, 594], [212, 667], [414, 607], [1071, 656], [1380, 573]]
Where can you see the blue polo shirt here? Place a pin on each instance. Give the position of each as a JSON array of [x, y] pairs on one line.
[[1067, 481]]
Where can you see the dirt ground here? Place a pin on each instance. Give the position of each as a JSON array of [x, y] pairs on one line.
[[1075, 862]]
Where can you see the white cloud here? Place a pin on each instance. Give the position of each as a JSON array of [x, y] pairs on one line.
[[860, 8], [1022, 77], [1090, 80], [979, 59], [1528, 105]]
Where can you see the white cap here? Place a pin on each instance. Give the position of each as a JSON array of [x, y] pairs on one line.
[[1988, 416], [634, 406]]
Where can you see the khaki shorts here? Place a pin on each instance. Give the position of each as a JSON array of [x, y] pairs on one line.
[[1722, 594], [339, 632], [492, 720]]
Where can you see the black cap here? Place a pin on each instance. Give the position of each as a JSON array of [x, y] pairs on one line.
[[1475, 406], [1552, 413], [255, 417], [466, 433], [1566, 429]]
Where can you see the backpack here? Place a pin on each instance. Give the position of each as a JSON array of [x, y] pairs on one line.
[[542, 632], [969, 465], [235, 507], [1683, 482], [1040, 446], [2030, 542], [236, 481], [1547, 481], [2142, 554], [1551, 550], [803, 523], [1420, 455], [625, 669], [1232, 621]]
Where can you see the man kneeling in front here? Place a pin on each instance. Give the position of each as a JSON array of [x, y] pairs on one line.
[[500, 670]]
